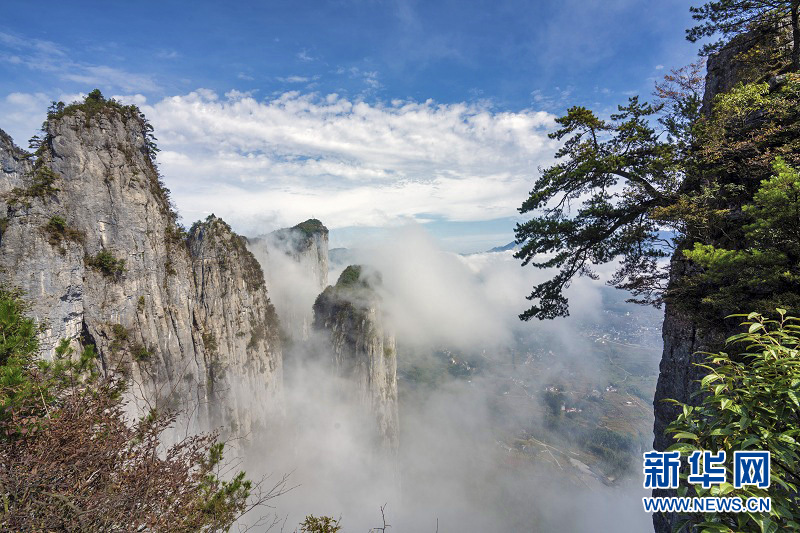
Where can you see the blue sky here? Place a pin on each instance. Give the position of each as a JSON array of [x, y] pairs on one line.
[[362, 113]]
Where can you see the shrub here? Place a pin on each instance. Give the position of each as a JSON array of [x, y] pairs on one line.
[[106, 263], [140, 352], [350, 276], [42, 185], [107, 474], [320, 524], [57, 231], [751, 401]]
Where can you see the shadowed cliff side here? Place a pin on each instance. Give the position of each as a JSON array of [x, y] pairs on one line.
[[743, 60], [363, 351]]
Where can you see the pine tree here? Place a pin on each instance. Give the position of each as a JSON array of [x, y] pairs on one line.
[[733, 17]]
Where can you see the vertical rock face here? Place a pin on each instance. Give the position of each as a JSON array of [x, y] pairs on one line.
[[363, 352], [295, 262], [89, 235], [743, 59], [239, 324], [683, 338], [307, 243], [678, 375]]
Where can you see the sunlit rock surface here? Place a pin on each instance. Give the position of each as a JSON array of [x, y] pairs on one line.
[[187, 318]]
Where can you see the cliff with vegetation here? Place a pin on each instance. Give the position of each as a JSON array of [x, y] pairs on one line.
[[364, 351], [295, 262], [89, 235], [744, 256]]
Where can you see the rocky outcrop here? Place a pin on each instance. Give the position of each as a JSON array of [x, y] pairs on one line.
[[363, 352], [295, 262], [742, 60], [89, 235], [239, 324], [747, 57], [307, 244]]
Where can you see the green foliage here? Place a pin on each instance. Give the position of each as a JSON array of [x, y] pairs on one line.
[[57, 224], [751, 401], [734, 17], [350, 277], [320, 524], [140, 352], [766, 272], [129, 480], [120, 332], [553, 400], [749, 127], [681, 94], [106, 263], [42, 185], [615, 448], [58, 231], [259, 331], [17, 332], [221, 501], [310, 227], [119, 337], [29, 386], [175, 234], [742, 102], [18, 346], [700, 181], [210, 342], [92, 105], [599, 156]]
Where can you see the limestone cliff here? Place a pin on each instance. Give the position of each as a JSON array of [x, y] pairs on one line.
[[88, 233], [363, 352], [295, 262]]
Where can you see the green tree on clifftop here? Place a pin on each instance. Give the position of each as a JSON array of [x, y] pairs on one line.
[[733, 17]]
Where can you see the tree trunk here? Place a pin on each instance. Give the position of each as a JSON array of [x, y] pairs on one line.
[[795, 14]]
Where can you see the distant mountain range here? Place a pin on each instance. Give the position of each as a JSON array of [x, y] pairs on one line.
[[510, 246]]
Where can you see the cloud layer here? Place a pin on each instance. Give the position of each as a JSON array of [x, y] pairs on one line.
[[345, 162]]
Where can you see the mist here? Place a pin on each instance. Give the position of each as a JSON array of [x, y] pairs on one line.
[[479, 450]]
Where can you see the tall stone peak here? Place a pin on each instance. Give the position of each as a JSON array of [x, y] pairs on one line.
[[90, 236], [295, 262], [363, 348]]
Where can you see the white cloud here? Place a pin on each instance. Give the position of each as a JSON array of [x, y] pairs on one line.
[[135, 99], [22, 115], [303, 55], [298, 79], [294, 79], [168, 54], [346, 162]]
